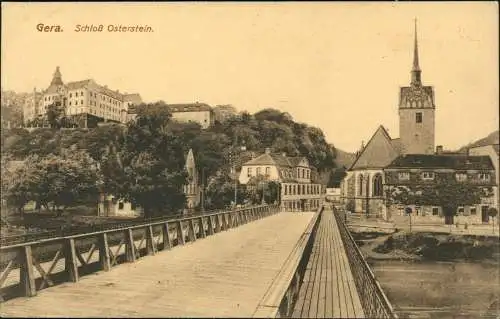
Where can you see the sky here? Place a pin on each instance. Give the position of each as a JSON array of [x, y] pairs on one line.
[[337, 66]]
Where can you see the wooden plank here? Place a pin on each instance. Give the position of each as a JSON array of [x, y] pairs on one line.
[[202, 228], [150, 241], [313, 309], [191, 231], [180, 233], [322, 278], [330, 280], [130, 245], [314, 269], [337, 279]]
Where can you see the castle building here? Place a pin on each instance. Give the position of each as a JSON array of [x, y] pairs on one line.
[[83, 103], [410, 160]]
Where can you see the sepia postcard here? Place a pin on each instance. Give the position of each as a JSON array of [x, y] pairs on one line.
[[250, 159]]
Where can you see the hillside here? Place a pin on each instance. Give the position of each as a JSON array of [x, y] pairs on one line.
[[492, 138], [344, 159]]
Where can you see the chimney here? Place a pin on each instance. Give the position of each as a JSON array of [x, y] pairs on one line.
[[439, 149], [268, 150]]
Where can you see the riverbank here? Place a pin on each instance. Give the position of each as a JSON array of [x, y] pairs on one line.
[[435, 275]]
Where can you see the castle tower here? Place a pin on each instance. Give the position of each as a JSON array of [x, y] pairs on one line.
[[416, 111], [57, 78]]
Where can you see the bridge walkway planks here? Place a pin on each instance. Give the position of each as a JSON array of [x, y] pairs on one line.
[[328, 289]]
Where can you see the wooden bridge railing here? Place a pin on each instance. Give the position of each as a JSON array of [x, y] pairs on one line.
[[68, 258], [373, 299]]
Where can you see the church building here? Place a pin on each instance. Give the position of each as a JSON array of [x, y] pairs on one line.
[[412, 154]]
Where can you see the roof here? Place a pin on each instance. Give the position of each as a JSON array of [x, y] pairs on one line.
[[78, 84], [457, 162], [189, 107], [379, 152], [275, 159]]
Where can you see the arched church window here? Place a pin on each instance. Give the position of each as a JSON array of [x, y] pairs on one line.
[[377, 185], [360, 185]]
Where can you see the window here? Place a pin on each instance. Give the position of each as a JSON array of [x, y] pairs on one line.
[[303, 189], [377, 185], [360, 185], [472, 210], [460, 210], [298, 190], [70, 103], [404, 176], [70, 95], [435, 211], [461, 177], [418, 118], [120, 205], [249, 172], [484, 177], [428, 175], [259, 170], [286, 189], [268, 170]]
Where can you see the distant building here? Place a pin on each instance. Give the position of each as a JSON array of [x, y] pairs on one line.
[[224, 112], [298, 191], [200, 113], [84, 103], [492, 151], [333, 195]]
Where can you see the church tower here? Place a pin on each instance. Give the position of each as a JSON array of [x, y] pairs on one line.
[[416, 112]]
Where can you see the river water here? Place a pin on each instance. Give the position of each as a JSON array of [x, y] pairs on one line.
[[440, 289]]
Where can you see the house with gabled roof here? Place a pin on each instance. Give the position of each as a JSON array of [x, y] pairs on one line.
[[298, 189]]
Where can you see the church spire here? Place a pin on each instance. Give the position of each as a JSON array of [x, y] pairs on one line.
[[415, 72], [57, 78]]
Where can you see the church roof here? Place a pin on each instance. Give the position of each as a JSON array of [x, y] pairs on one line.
[[379, 152], [457, 162]]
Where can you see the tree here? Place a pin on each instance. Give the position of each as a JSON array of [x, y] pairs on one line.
[[151, 163], [55, 114]]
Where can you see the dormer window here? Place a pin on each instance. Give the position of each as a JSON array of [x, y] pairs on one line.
[[428, 175], [461, 177], [404, 176], [484, 177]]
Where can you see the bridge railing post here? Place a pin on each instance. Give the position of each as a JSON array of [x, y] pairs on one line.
[[150, 243], [26, 272], [192, 232], [167, 242], [202, 233], [70, 263], [130, 245], [104, 258], [180, 233], [210, 225], [217, 223]]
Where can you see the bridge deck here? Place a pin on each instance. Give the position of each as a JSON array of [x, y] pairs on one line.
[[328, 289], [222, 275]]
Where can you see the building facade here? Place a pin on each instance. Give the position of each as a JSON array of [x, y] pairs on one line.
[[428, 170], [492, 151], [200, 113], [84, 103], [297, 190]]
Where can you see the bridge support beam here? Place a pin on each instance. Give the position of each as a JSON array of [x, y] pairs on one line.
[[192, 232], [130, 246], [180, 233], [150, 243], [167, 243], [201, 232]]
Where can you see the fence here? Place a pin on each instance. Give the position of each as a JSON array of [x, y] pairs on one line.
[[70, 231], [373, 299], [68, 258]]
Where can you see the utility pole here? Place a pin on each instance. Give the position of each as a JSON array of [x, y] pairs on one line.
[[203, 189]]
